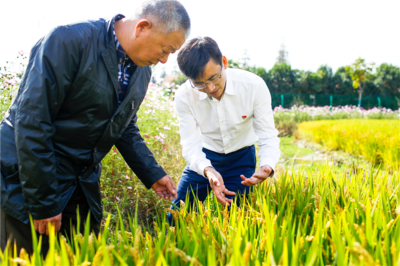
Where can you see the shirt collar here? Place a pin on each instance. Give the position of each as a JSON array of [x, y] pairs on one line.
[[118, 46], [229, 86]]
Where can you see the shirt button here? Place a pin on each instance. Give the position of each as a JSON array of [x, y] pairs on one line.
[[112, 119], [95, 149]]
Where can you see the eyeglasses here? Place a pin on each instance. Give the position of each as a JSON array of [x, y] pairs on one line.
[[211, 82]]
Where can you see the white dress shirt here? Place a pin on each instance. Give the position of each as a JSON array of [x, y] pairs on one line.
[[242, 117]]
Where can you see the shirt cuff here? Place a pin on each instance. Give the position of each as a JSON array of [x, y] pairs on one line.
[[202, 165], [268, 162]]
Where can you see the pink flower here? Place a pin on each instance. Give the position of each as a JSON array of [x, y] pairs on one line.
[[173, 90], [115, 150], [164, 148], [118, 198], [146, 136], [166, 127], [120, 181], [159, 138], [21, 52], [11, 82], [172, 84], [127, 177], [129, 187]]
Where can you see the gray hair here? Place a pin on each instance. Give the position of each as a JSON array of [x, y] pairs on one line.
[[170, 15]]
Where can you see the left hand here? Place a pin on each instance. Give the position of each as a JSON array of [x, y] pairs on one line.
[[165, 188], [258, 177]]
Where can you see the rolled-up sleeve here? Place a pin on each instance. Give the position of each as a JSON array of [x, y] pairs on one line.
[[190, 137], [264, 127]]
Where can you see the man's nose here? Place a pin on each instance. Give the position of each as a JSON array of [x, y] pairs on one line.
[[209, 87], [164, 59]]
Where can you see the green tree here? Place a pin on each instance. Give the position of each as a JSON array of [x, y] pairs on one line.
[[325, 75], [360, 72], [180, 79], [308, 82], [342, 83], [388, 80], [281, 78]]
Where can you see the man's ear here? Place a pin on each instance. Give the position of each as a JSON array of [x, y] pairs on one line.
[[225, 62], [142, 26]]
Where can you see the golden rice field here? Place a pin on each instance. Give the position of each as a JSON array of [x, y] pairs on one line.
[[320, 217], [377, 140]]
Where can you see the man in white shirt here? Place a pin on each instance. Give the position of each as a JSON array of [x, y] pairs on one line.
[[222, 113]]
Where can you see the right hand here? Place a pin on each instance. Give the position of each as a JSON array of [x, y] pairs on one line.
[[217, 185], [42, 227]]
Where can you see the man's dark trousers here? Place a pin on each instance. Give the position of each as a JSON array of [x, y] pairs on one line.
[[230, 166], [21, 232]]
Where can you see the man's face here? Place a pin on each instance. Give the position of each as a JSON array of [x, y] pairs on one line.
[[213, 73], [154, 47]]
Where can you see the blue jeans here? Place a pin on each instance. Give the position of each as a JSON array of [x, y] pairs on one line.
[[230, 166]]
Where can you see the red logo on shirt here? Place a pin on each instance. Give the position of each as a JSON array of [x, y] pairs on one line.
[[244, 117]]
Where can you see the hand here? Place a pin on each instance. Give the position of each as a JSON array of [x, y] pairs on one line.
[[258, 177], [165, 188], [42, 227], [217, 185]]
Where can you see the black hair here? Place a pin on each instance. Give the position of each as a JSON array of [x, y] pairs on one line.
[[195, 54]]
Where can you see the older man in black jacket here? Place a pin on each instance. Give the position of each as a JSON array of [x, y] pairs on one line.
[[79, 96]]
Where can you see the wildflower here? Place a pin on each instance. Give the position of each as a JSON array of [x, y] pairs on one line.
[[120, 181], [159, 138], [164, 148], [146, 136], [166, 127], [21, 52], [115, 150], [118, 198], [162, 135], [127, 177], [129, 187]]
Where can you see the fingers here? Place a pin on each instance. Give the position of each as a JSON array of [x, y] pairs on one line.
[[42, 227], [229, 192], [250, 181], [222, 199], [171, 187]]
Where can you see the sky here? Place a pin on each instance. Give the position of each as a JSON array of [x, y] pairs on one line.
[[315, 33]]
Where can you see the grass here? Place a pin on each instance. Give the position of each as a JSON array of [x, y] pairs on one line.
[[290, 150], [321, 217], [377, 140]]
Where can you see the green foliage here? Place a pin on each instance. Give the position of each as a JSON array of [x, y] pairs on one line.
[[324, 216], [388, 80], [180, 79]]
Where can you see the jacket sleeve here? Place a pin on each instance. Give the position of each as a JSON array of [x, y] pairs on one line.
[[138, 156], [52, 64]]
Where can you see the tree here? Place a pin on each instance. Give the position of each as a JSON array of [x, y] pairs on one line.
[[325, 75], [360, 72], [342, 83], [388, 80], [180, 79], [308, 82], [281, 78]]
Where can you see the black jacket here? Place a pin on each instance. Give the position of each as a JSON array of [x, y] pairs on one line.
[[65, 119]]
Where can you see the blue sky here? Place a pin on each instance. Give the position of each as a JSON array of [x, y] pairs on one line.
[[314, 32]]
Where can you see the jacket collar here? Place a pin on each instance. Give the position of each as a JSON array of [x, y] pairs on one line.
[[229, 89], [110, 54]]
